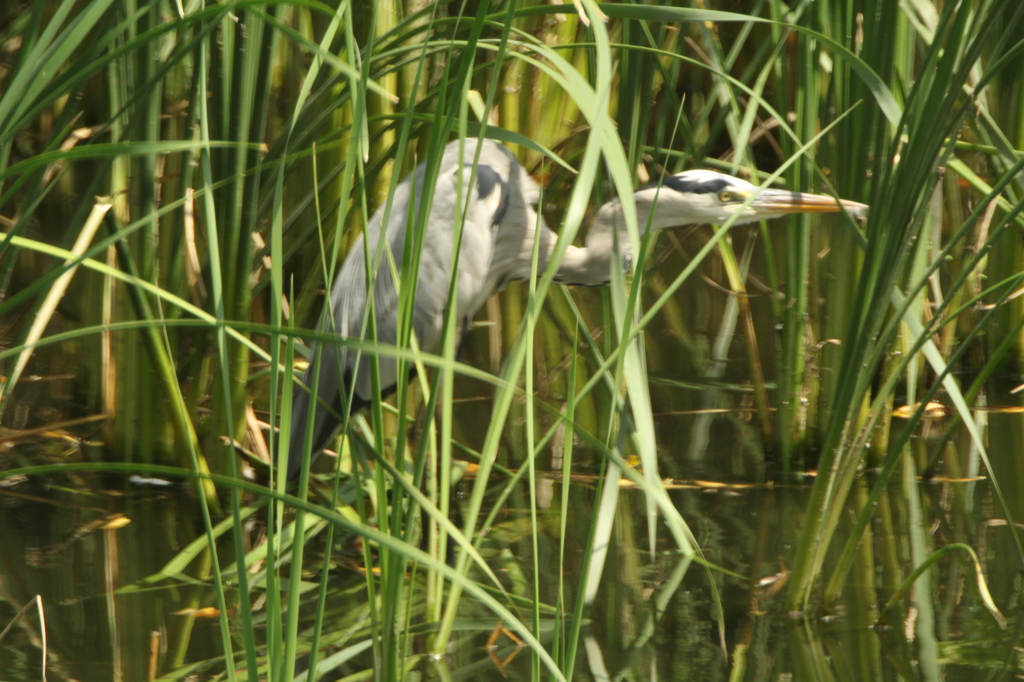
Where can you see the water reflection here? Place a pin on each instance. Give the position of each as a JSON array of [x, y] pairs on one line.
[[650, 620], [65, 538]]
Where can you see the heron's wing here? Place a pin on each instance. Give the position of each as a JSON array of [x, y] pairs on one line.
[[345, 317], [481, 201], [469, 206]]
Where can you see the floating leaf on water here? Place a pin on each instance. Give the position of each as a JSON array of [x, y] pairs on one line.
[[115, 522], [206, 612], [1002, 409], [962, 479], [931, 411]]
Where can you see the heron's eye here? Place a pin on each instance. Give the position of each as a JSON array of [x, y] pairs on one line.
[[725, 197]]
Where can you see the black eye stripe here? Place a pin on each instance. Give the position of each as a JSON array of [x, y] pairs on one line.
[[713, 186]]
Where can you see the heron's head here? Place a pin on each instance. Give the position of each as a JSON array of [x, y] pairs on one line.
[[705, 196], [695, 197]]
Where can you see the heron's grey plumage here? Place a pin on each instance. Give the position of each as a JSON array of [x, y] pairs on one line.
[[501, 195], [500, 222]]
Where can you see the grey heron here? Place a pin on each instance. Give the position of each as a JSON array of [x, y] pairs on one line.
[[497, 203]]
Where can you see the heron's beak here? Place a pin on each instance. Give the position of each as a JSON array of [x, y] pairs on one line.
[[780, 202]]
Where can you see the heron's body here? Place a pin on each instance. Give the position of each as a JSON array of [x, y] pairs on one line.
[[497, 202], [495, 198], [500, 194]]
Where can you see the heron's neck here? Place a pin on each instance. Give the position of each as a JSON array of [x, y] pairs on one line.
[[585, 267], [657, 208], [591, 265]]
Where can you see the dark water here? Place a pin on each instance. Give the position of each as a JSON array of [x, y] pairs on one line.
[[54, 547]]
